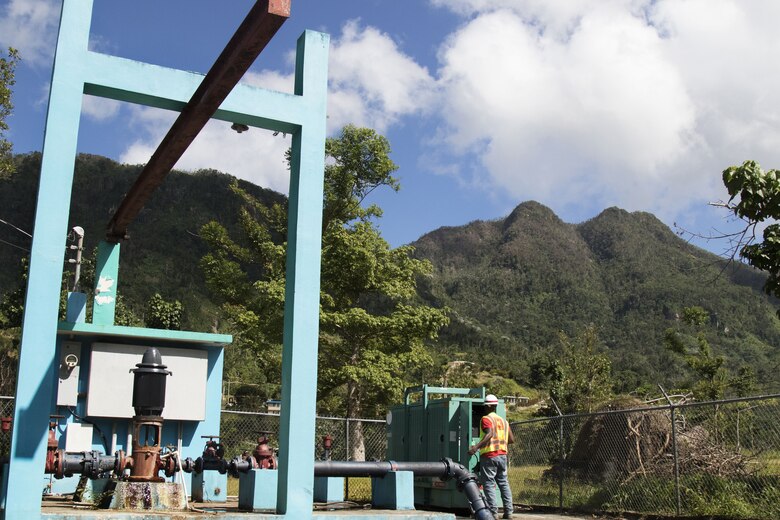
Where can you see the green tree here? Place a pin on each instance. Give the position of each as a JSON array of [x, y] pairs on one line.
[[711, 379], [124, 315], [11, 313], [12, 303], [372, 329], [690, 342], [754, 197], [579, 378], [7, 80], [744, 382], [161, 314]]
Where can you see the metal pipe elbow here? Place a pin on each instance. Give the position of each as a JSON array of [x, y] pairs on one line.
[[468, 484]]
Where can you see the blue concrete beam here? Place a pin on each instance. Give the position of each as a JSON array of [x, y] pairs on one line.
[[170, 89], [302, 290]]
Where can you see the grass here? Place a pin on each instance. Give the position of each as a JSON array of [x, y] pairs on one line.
[[232, 486], [757, 496], [359, 489]]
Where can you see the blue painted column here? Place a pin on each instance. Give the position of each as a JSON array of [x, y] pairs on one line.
[[302, 292], [106, 281], [36, 377]]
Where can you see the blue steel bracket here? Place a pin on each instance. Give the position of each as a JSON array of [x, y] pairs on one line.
[[256, 490], [395, 490], [209, 486], [78, 71], [328, 489]]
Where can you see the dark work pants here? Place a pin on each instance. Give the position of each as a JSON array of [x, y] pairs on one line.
[[492, 473]]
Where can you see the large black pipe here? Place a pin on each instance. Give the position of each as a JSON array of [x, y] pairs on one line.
[[202, 464], [90, 463], [330, 468], [94, 464], [446, 469]]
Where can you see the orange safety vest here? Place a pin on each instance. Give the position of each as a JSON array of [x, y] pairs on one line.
[[499, 441]]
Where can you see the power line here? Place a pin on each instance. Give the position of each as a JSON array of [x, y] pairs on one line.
[[16, 228], [14, 245]]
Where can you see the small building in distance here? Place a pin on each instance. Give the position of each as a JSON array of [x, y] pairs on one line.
[[514, 401], [273, 406]]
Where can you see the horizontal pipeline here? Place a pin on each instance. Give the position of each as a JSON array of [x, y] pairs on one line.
[[446, 469]]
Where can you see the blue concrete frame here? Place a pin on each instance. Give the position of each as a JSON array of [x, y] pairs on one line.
[[303, 114]]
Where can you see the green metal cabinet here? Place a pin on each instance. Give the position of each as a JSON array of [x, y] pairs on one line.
[[434, 423]]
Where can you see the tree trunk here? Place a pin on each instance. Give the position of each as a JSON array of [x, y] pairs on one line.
[[357, 441]]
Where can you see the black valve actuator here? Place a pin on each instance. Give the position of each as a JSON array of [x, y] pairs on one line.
[[149, 384]]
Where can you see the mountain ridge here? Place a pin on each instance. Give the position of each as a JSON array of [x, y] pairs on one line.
[[513, 284], [625, 272]]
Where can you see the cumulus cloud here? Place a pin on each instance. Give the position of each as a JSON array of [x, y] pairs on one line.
[[371, 83], [255, 155], [637, 103], [98, 108], [31, 28]]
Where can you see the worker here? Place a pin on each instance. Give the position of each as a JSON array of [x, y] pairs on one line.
[[494, 437]]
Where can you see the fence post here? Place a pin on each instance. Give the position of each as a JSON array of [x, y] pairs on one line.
[[346, 456], [674, 450], [560, 454]]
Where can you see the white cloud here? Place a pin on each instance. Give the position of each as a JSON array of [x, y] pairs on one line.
[[255, 155], [31, 27], [98, 108], [372, 83], [271, 80], [637, 103], [545, 113]]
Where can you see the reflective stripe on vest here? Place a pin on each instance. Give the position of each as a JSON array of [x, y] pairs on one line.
[[500, 435]]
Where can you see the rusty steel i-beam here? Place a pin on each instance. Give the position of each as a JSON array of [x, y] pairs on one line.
[[254, 33]]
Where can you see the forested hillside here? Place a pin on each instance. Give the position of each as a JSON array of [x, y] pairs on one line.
[[511, 284], [164, 249], [514, 283]]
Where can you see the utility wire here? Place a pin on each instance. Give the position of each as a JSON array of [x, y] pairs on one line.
[[14, 245], [16, 228]]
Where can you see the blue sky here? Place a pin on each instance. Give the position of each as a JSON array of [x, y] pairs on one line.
[[580, 104]]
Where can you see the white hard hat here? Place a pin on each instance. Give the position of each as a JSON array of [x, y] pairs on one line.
[[491, 399]]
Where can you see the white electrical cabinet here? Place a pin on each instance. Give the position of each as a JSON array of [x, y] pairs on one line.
[[78, 437], [110, 389], [68, 378]]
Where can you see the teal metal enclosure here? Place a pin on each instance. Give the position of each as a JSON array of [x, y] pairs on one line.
[[434, 423]]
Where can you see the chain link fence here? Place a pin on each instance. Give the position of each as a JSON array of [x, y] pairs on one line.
[[698, 459], [6, 410], [352, 439]]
